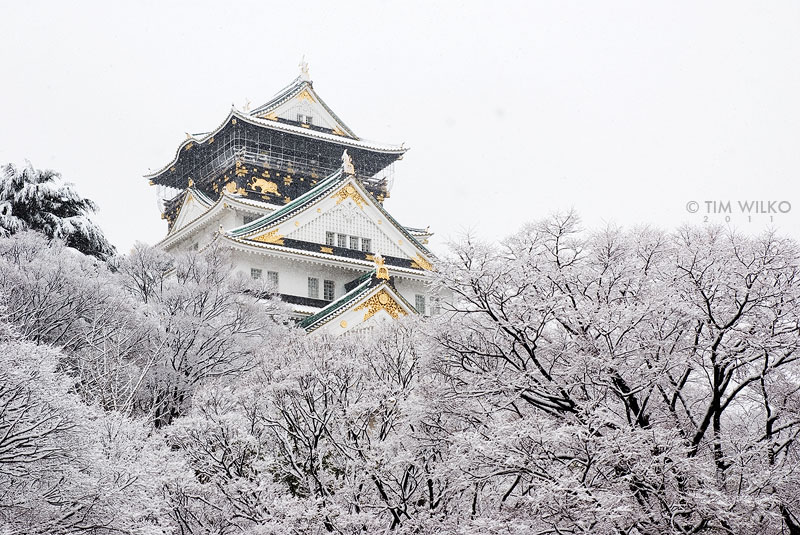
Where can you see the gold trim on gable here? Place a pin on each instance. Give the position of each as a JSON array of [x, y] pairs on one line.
[[381, 301], [270, 237], [421, 263], [305, 95], [349, 192]]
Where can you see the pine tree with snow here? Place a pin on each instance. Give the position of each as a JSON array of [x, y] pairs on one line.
[[40, 200]]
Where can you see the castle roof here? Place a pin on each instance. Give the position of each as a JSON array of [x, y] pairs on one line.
[[273, 119], [293, 90], [333, 181], [371, 293]]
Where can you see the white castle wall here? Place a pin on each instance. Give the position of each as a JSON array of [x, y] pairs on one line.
[[350, 220], [293, 275]]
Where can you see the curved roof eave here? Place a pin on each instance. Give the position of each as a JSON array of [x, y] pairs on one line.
[[340, 260], [274, 125]]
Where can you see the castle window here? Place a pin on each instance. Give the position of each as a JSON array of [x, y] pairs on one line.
[[330, 238], [419, 303], [328, 290], [305, 119], [342, 240], [366, 245], [313, 288], [272, 276], [354, 242], [436, 306], [255, 273]]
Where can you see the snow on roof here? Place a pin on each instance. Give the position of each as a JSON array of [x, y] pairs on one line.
[[312, 322], [283, 127], [292, 90]]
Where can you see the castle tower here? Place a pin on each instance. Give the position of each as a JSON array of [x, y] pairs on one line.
[[298, 197]]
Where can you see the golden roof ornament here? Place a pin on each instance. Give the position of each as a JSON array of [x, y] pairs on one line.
[[304, 69], [347, 163], [381, 271]]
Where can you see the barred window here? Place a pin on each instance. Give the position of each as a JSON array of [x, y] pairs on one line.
[[419, 303], [330, 238], [328, 290], [354, 242], [255, 273], [272, 276], [342, 240], [313, 288], [366, 245]]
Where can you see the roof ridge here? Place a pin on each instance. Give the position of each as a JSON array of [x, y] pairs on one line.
[[282, 95]]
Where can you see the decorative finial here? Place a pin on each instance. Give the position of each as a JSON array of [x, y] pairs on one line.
[[347, 163], [381, 271], [304, 69], [246, 104]]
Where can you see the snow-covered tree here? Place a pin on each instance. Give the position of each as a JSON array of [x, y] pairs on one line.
[[208, 323], [609, 382], [40, 200], [142, 338], [66, 467], [626, 382], [324, 435]]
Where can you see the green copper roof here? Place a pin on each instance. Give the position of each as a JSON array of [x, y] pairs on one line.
[[365, 283]]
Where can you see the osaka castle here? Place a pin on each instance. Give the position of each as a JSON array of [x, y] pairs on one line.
[[299, 198]]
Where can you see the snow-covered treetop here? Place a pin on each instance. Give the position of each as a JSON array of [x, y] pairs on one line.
[[41, 200]]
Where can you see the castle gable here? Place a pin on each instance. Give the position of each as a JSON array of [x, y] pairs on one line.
[[373, 300], [194, 205], [338, 213]]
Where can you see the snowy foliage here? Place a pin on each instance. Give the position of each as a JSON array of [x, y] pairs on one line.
[[66, 467], [634, 382], [40, 200]]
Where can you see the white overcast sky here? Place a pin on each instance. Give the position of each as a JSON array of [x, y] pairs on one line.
[[512, 110]]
